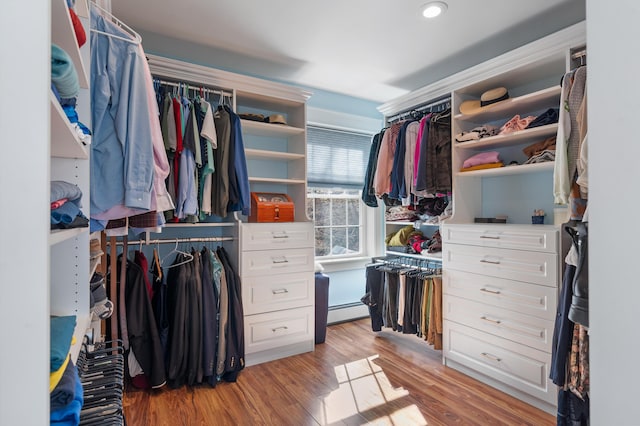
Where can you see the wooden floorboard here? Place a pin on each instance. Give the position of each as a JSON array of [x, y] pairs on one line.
[[356, 377]]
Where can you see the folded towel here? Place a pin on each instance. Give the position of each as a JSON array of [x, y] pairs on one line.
[[61, 189]]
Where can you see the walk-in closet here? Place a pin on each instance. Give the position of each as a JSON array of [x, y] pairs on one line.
[[318, 214]]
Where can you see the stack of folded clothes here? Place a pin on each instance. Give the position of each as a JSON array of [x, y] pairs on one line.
[[66, 393], [65, 206], [400, 213], [477, 133], [541, 152], [515, 124], [483, 160]]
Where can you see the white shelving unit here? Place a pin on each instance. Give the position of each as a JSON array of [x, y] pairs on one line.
[[278, 295], [500, 281], [69, 248]]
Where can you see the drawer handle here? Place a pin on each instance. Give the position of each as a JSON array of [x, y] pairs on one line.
[[486, 290], [284, 327], [280, 291], [284, 260], [490, 320], [490, 237], [491, 357], [278, 236], [493, 262]]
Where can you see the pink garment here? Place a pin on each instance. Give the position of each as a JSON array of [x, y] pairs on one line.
[[58, 203], [416, 155], [382, 176], [516, 124], [482, 158], [160, 160]]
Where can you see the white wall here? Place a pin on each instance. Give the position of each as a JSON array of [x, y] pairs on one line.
[[614, 203], [24, 223]]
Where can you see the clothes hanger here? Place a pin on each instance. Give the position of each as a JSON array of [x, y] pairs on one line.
[[137, 39], [188, 256]]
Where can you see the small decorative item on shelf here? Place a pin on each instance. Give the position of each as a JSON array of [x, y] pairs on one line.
[[271, 207], [538, 217]]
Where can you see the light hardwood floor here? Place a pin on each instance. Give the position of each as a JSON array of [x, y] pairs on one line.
[[356, 377]]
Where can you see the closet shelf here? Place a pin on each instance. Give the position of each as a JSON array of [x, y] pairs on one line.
[[519, 105], [273, 155], [270, 129], [512, 139], [509, 170], [399, 222], [82, 8], [277, 180], [63, 35], [64, 140], [59, 235]]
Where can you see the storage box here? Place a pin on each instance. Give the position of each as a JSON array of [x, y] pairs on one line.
[[271, 207]]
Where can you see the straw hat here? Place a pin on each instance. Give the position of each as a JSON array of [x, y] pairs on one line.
[[488, 99]]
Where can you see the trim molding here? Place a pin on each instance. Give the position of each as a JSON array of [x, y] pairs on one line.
[[557, 43], [180, 70], [349, 313]]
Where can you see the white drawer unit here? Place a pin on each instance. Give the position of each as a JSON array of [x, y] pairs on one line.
[[522, 237], [276, 267], [517, 327], [536, 300], [259, 263], [516, 365], [500, 293], [532, 267], [276, 329], [276, 292], [268, 236]]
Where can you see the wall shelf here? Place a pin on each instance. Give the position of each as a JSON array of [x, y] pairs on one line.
[[516, 138], [269, 129], [65, 143], [277, 180], [272, 155], [60, 235], [509, 170]]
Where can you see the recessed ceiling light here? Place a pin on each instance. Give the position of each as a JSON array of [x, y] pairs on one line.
[[433, 9]]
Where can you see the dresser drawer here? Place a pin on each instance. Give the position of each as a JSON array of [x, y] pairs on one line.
[[526, 266], [267, 236], [531, 331], [275, 329], [521, 237], [276, 292], [531, 299], [268, 262], [518, 366]]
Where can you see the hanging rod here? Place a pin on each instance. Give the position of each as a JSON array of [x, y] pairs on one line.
[[409, 262], [445, 101], [579, 54], [176, 241], [192, 86]]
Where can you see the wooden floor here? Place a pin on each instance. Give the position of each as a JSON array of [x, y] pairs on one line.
[[356, 377]]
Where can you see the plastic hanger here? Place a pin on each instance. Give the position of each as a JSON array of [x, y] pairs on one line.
[[137, 39], [188, 256]]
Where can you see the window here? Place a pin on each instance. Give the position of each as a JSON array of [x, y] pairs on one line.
[[335, 172]]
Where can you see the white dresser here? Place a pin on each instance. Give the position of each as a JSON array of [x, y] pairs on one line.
[[500, 290], [276, 266]]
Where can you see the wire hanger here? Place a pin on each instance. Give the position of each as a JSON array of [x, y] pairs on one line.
[[188, 256], [137, 39]]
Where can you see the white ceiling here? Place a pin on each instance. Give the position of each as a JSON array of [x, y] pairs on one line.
[[372, 49]]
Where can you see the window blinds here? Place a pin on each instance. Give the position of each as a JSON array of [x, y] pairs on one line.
[[336, 157]]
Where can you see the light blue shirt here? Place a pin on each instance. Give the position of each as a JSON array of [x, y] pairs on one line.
[[121, 148]]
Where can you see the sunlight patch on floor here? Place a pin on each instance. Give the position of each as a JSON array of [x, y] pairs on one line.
[[363, 386]]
